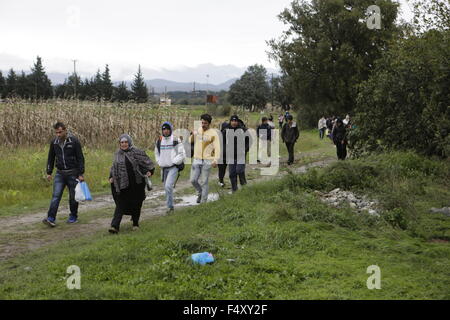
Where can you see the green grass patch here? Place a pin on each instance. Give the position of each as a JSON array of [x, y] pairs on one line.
[[271, 240]]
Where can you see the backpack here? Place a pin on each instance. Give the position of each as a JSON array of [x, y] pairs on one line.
[[175, 142]]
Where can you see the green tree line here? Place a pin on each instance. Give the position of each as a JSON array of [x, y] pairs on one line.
[[393, 79], [37, 86]]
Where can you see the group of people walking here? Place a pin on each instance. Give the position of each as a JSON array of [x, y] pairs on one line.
[[132, 167]]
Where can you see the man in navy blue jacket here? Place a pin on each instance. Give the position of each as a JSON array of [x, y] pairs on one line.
[[66, 150]]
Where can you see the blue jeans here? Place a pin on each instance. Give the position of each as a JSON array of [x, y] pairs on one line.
[[169, 178], [321, 132], [199, 177], [60, 182]]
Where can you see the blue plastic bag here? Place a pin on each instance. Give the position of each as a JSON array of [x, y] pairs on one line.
[[82, 192], [86, 192], [202, 258]]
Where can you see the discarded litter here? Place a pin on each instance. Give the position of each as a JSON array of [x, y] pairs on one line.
[[202, 258]]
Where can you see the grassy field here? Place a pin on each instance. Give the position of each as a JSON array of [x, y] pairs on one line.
[[272, 240]]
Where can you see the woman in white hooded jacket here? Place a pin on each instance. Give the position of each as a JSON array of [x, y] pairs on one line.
[[170, 155]]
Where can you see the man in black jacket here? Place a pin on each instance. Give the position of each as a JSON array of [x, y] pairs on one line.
[[223, 165], [339, 135], [289, 135], [66, 150], [237, 142]]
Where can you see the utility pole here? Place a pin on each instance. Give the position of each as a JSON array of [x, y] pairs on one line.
[[75, 78], [207, 78], [165, 96], [272, 89], [35, 89]]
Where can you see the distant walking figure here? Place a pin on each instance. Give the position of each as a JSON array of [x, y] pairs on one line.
[[289, 135], [281, 120], [264, 133], [322, 126], [223, 166], [339, 135]]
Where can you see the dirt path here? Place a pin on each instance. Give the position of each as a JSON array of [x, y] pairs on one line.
[[26, 232]]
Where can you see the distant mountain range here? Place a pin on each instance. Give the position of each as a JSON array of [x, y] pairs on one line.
[[160, 85], [181, 78]]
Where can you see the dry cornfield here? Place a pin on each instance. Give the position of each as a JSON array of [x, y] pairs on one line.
[[96, 124]]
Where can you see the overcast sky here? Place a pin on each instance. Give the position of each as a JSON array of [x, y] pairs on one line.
[[154, 33]]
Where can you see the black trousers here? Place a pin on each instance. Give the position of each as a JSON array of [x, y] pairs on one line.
[[237, 170], [341, 150], [222, 170], [127, 203], [290, 148], [118, 214]]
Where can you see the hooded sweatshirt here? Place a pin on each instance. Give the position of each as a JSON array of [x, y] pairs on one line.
[[170, 154]]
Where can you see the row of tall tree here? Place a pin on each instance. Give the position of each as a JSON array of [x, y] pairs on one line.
[[100, 87], [37, 86], [328, 50], [253, 90], [393, 79]]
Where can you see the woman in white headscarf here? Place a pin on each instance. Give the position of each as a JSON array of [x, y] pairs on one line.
[[127, 181], [346, 120]]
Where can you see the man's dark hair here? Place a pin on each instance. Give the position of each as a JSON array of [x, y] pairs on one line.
[[289, 117], [59, 125], [264, 119], [206, 117]]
